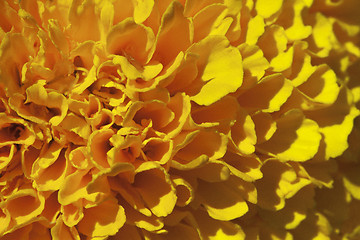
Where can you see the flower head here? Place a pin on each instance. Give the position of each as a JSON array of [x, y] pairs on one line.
[[221, 119]]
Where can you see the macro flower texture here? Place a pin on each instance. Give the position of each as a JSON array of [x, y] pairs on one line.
[[179, 119]]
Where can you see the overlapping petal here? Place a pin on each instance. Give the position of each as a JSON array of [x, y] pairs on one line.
[[184, 119]]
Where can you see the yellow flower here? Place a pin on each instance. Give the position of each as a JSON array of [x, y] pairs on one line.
[[184, 119]]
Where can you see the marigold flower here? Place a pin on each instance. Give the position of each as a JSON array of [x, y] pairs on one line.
[[221, 119]]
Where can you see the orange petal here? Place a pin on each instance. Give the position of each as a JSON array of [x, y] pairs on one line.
[[98, 146], [175, 34], [84, 23], [158, 150], [134, 41], [62, 232], [72, 213], [25, 205]]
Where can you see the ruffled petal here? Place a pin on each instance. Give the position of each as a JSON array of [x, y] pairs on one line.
[[295, 139], [102, 220], [155, 188], [220, 74]]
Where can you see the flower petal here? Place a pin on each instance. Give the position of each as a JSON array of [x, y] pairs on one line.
[[264, 9], [23, 213], [336, 122], [296, 138], [175, 34], [142, 10], [226, 205], [131, 40], [274, 91], [219, 64], [60, 231], [213, 229], [155, 187], [102, 220]]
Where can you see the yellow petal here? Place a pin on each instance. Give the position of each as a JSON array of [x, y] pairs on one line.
[[245, 167], [184, 191], [128, 231], [213, 229], [50, 175], [132, 73], [351, 179], [221, 67], [268, 95], [242, 135], [265, 126], [323, 35], [84, 21], [296, 138], [157, 112], [126, 149], [214, 171], [106, 17], [142, 9], [255, 29], [88, 80], [129, 194], [74, 187], [267, 10], [225, 110], [321, 173], [246, 189], [62, 232], [102, 220], [280, 182], [149, 223], [40, 106], [334, 202], [5, 219], [274, 44], [294, 212], [83, 54], [155, 187], [336, 122], [183, 72], [301, 68], [321, 86], [180, 106], [316, 226], [78, 158], [206, 143], [77, 125], [51, 209], [292, 12], [72, 213], [254, 64], [225, 205]]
